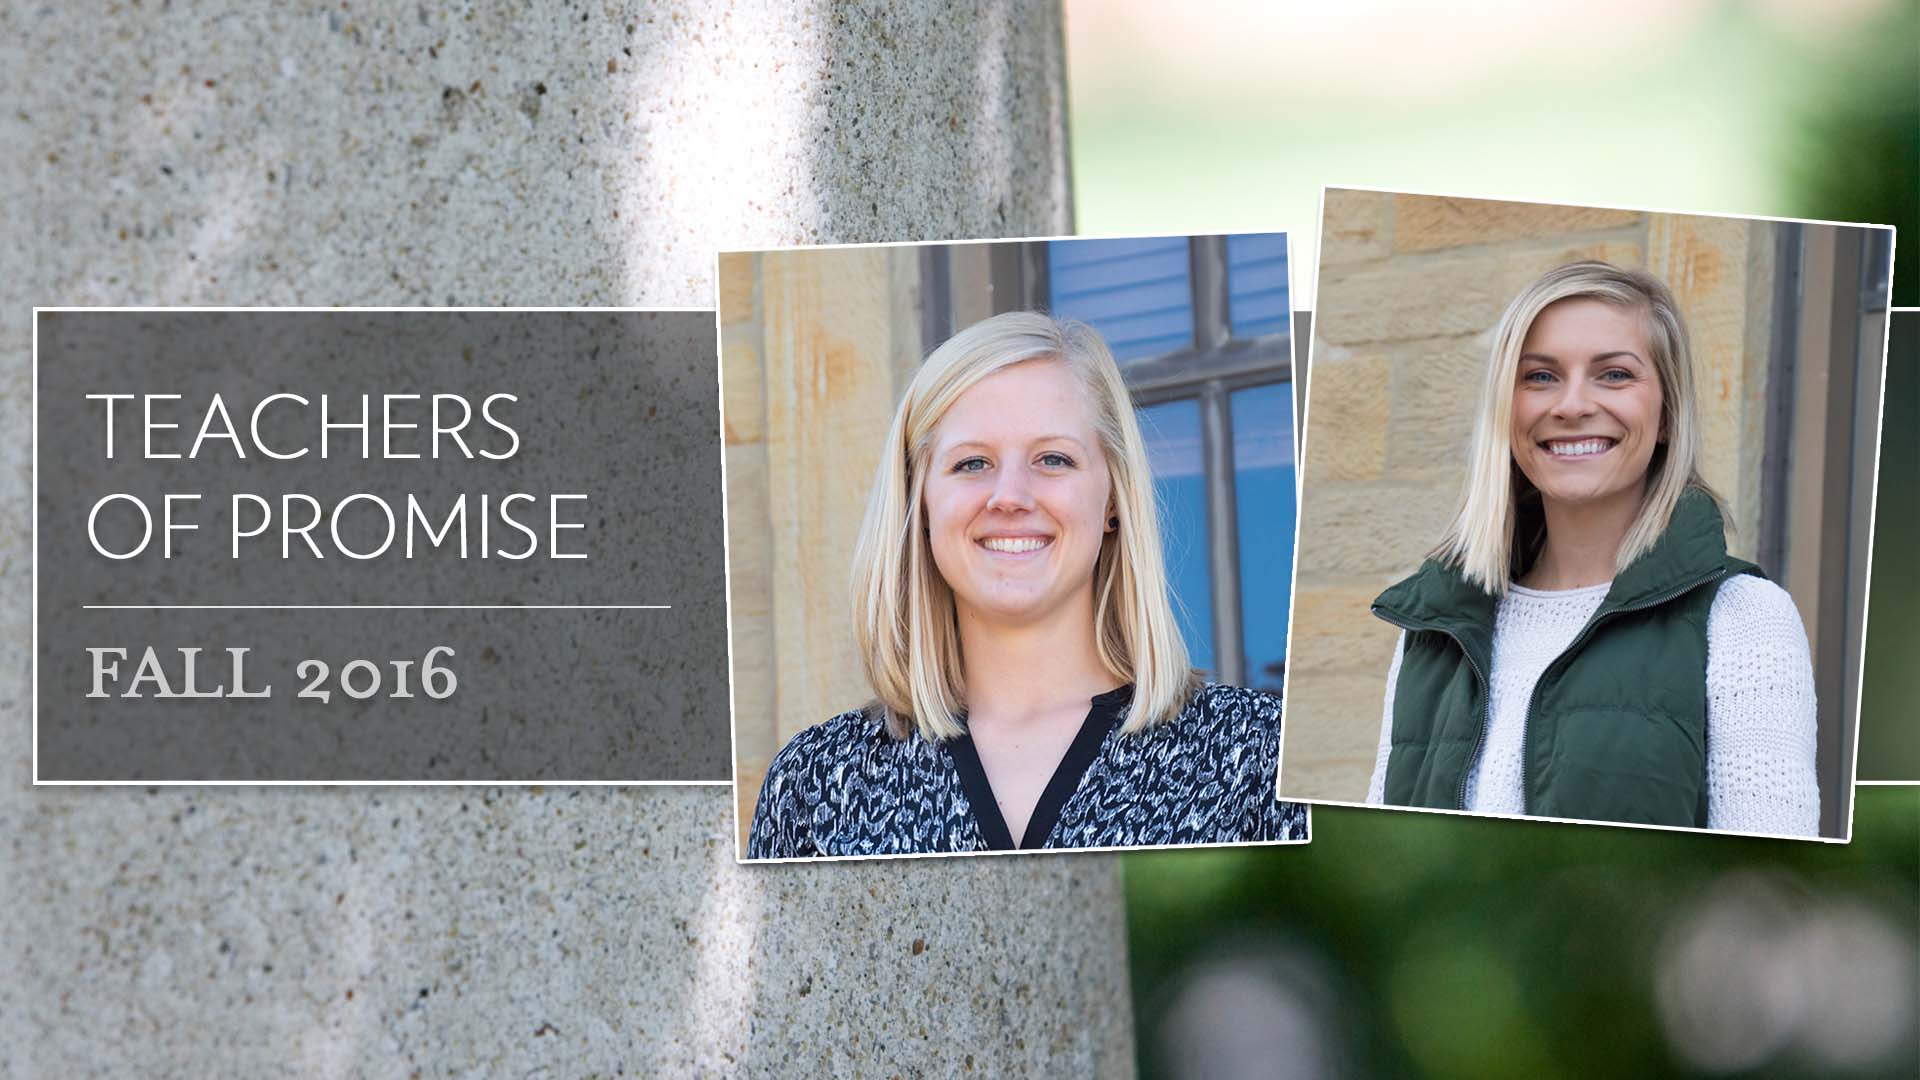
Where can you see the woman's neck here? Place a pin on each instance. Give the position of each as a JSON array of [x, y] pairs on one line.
[[1583, 541], [1022, 670]]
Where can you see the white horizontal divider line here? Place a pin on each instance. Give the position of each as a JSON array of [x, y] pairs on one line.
[[376, 607]]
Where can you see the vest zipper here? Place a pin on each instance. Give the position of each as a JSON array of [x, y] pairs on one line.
[[1486, 715], [1526, 718], [1486, 694]]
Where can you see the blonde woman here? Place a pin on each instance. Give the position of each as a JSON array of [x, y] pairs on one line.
[[1031, 688], [1580, 644]]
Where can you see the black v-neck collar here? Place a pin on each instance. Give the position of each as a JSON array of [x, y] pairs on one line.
[[1103, 714]]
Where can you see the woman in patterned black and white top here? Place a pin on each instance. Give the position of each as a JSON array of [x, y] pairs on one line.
[[1031, 686]]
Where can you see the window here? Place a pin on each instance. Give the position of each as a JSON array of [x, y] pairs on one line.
[[1200, 327]]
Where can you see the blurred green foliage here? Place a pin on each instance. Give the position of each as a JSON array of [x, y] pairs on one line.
[[1852, 149], [1467, 947]]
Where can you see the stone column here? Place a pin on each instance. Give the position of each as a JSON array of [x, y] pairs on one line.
[[586, 155]]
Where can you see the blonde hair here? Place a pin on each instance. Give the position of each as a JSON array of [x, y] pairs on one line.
[[1497, 528], [904, 619]]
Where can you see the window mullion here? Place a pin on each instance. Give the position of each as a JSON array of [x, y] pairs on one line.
[[1223, 531], [1212, 324]]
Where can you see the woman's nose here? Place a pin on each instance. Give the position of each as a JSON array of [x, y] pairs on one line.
[[1012, 490], [1573, 400]]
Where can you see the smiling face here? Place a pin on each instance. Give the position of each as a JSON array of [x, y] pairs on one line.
[[1017, 496], [1586, 403]]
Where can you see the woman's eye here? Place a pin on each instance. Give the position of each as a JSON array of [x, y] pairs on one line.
[[1616, 375], [1537, 375], [1056, 460], [972, 464]]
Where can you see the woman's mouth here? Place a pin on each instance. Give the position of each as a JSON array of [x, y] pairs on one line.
[[1014, 545], [1574, 449]]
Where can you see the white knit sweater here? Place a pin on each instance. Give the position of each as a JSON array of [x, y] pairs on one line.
[[1760, 708]]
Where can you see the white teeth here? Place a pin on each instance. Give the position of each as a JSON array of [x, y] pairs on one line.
[[1579, 449], [1015, 545]]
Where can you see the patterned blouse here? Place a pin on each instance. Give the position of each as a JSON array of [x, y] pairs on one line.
[[848, 787]]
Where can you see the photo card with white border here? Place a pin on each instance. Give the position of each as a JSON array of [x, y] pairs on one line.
[[1695, 400], [1090, 446]]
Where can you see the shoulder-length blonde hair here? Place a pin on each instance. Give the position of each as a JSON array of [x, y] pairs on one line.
[[1498, 527], [904, 620]]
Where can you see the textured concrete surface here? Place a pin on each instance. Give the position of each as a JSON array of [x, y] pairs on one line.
[[503, 932], [590, 153], [597, 155]]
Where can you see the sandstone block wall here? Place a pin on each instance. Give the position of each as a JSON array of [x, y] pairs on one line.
[[818, 346]]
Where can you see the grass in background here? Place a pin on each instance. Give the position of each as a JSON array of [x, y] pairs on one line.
[[1409, 944]]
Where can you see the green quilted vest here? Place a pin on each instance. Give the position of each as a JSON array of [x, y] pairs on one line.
[[1617, 725]]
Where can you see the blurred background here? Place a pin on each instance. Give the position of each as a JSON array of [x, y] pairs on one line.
[[1413, 945], [1220, 117]]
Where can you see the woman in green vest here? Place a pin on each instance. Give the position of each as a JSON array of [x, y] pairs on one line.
[[1580, 644]]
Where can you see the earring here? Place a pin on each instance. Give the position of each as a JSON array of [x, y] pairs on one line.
[[1113, 522]]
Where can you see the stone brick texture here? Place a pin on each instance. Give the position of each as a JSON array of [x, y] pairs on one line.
[[816, 347]]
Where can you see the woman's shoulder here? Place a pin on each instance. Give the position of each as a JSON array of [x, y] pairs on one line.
[[1750, 611], [799, 783], [1745, 597], [1221, 709], [1225, 754], [848, 736]]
